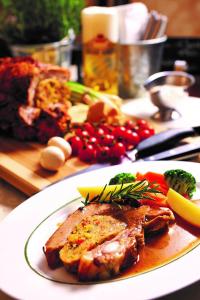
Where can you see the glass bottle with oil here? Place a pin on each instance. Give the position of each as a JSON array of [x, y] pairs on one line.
[[100, 38]]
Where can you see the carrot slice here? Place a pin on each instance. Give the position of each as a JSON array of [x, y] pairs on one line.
[[152, 177], [156, 178]]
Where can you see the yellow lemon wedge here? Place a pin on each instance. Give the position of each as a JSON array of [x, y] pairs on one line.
[[94, 191], [185, 208]]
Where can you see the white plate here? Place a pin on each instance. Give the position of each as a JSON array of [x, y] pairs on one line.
[[23, 270]]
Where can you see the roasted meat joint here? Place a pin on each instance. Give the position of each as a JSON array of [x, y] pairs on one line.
[[100, 241], [33, 99]]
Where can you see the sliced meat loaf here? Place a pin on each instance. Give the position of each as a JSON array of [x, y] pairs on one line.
[[142, 217], [115, 255], [89, 233], [111, 257], [57, 241]]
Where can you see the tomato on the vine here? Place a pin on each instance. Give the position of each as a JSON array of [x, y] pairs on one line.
[[117, 151], [106, 128], [93, 141], [99, 132], [119, 132], [151, 129], [82, 133], [129, 124], [89, 128], [144, 134], [87, 153], [132, 138], [142, 123], [106, 140], [136, 128], [76, 144], [103, 154]]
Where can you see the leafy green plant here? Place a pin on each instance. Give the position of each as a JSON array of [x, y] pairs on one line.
[[38, 21]]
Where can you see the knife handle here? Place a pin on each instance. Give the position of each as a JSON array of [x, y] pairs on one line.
[[162, 141], [178, 153]]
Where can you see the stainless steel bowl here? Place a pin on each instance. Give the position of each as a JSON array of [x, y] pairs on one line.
[[171, 78], [177, 78]]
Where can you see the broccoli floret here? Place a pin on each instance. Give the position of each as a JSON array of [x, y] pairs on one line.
[[122, 178], [181, 181]]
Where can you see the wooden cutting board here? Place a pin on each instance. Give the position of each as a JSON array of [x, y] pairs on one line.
[[19, 165]]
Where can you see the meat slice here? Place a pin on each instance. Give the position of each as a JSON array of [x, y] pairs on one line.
[[136, 219], [157, 220], [89, 233], [110, 258], [115, 255], [57, 241]]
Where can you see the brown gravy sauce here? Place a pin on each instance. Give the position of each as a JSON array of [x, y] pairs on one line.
[[163, 248]]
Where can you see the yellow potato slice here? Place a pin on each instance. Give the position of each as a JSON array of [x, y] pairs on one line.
[[185, 208], [94, 191]]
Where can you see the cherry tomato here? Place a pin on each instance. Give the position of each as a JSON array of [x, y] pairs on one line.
[[78, 131], [136, 128], [84, 134], [87, 153], [119, 133], [129, 124], [144, 134], [99, 132], [117, 151], [132, 138], [103, 154], [106, 128], [76, 144], [106, 140], [89, 128], [151, 129], [142, 123], [93, 141]]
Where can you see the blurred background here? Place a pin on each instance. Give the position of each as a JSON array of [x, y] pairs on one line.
[[183, 29], [183, 32]]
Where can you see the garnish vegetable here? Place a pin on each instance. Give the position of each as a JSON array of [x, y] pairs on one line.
[[122, 178], [181, 181], [153, 177], [124, 194], [185, 208], [91, 192]]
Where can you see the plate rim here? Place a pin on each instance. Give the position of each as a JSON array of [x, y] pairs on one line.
[[28, 203]]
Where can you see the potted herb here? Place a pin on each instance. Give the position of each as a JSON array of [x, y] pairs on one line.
[[41, 28]]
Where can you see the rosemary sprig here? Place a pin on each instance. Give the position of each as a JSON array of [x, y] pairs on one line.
[[130, 194]]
